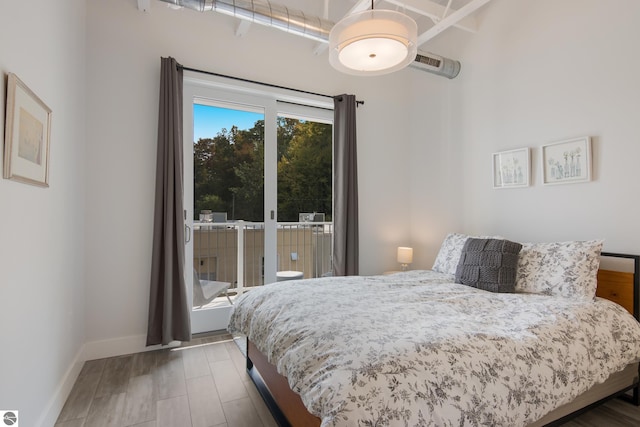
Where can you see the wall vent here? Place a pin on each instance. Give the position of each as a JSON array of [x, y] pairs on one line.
[[437, 65]]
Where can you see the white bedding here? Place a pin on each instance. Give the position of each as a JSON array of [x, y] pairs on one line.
[[415, 349]]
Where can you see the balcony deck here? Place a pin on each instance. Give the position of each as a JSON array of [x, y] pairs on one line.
[[233, 252]]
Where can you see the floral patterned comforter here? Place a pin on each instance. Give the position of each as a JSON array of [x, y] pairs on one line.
[[415, 349]]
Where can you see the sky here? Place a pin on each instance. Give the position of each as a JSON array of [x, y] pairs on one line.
[[208, 121]]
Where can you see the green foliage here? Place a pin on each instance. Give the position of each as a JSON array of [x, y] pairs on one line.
[[304, 172], [249, 193], [229, 170]]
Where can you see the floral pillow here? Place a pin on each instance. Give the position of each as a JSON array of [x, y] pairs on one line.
[[566, 269], [449, 255]]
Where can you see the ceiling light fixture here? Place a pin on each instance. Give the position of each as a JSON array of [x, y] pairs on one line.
[[373, 42]]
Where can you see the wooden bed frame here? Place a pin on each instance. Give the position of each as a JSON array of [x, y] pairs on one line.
[[620, 287]]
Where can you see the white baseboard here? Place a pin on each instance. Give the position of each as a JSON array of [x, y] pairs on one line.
[[52, 411], [90, 351], [120, 346]]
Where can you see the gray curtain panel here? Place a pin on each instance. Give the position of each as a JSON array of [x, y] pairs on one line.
[[345, 206], [169, 318]]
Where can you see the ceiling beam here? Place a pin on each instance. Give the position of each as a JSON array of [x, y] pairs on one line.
[[359, 7], [319, 48], [326, 9], [243, 27], [144, 5], [450, 20], [435, 12]]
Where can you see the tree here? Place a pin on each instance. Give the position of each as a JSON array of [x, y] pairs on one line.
[[305, 172], [249, 193], [229, 171], [213, 172]]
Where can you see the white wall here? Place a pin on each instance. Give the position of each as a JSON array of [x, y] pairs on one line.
[[123, 69], [41, 229], [537, 72], [436, 182]]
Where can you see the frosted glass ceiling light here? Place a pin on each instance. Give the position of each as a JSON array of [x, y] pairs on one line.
[[373, 42]]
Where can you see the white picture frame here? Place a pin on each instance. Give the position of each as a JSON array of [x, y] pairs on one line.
[[27, 135], [567, 161], [511, 169]]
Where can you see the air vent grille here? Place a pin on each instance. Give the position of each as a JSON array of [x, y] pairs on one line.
[[436, 64], [433, 62]]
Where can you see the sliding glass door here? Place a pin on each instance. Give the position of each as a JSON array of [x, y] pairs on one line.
[[250, 160], [305, 192]]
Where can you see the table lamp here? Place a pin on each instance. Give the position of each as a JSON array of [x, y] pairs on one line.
[[405, 256]]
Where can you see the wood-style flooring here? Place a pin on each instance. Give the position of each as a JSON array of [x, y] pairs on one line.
[[204, 384]]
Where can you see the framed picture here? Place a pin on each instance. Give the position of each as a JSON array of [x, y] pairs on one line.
[[511, 168], [27, 133], [567, 161]]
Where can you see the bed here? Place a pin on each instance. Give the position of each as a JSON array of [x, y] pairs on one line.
[[416, 348]]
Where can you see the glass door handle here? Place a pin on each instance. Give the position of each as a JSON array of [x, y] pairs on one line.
[[187, 229]]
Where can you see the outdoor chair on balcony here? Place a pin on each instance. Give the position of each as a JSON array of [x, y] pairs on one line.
[[205, 291]]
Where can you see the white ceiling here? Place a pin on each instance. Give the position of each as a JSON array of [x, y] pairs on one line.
[[432, 16]]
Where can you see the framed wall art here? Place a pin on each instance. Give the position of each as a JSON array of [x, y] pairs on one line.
[[511, 168], [27, 135], [567, 161]]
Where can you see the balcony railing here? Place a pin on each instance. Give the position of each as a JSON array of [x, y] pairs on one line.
[[234, 252]]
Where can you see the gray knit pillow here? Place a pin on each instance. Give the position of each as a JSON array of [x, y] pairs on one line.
[[489, 264]]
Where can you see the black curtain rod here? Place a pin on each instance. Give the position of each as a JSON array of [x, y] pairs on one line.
[[211, 73]]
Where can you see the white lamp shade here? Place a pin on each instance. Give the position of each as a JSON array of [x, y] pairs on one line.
[[373, 42], [405, 255]]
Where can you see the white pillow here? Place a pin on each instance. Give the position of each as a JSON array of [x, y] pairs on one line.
[[450, 252], [566, 269]]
